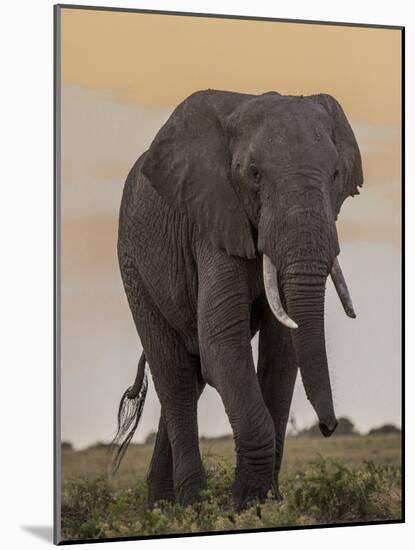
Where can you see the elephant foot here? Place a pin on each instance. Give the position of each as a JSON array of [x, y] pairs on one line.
[[276, 493], [250, 489], [160, 492], [156, 498], [189, 491]]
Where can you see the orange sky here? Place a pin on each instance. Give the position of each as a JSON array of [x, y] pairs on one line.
[[122, 74], [157, 60]]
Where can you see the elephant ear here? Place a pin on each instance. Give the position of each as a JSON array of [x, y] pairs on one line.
[[189, 165], [349, 175]]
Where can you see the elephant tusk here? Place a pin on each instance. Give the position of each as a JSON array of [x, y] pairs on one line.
[[273, 295], [341, 288]]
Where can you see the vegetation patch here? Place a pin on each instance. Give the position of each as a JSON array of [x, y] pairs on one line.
[[327, 491]]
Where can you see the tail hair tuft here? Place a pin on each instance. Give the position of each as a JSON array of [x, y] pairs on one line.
[[129, 414]]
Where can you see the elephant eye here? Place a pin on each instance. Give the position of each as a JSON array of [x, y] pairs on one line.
[[254, 172]]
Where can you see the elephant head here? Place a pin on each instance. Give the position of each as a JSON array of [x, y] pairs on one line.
[[267, 175]]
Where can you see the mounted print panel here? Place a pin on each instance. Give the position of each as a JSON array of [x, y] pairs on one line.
[[228, 277]]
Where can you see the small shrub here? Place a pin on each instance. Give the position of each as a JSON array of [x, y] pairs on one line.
[[84, 506], [331, 492], [386, 429]]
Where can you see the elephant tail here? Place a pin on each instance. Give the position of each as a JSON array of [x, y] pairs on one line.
[[129, 414]]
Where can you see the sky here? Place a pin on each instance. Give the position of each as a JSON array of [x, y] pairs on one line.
[[122, 75]]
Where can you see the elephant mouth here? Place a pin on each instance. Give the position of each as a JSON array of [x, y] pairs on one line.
[[274, 299]]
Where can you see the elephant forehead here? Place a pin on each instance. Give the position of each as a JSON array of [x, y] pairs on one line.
[[275, 122], [277, 137], [293, 117]]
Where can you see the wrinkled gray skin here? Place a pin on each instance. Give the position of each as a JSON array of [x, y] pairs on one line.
[[228, 178]]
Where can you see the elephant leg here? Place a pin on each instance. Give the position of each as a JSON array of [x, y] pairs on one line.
[[175, 375], [160, 476], [228, 366], [277, 372]]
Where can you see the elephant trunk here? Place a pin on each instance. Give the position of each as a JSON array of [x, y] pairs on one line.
[[304, 295], [304, 292], [298, 238]]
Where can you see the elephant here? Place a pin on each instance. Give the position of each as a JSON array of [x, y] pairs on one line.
[[227, 227]]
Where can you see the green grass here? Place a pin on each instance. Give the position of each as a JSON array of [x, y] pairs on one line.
[[343, 479]]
